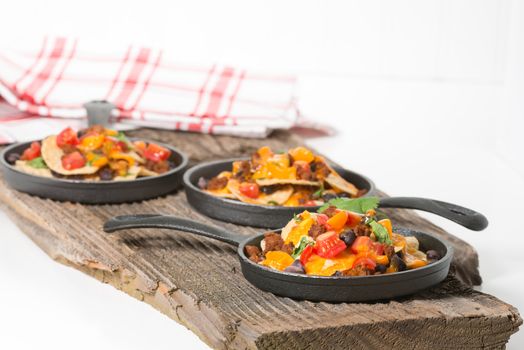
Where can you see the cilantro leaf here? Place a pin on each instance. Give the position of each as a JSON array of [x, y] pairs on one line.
[[304, 242], [356, 205], [37, 163], [319, 192], [380, 232]]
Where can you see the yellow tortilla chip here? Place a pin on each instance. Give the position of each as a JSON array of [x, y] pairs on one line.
[[132, 174], [24, 167], [146, 172], [269, 182], [52, 155], [278, 197], [223, 193], [338, 182]]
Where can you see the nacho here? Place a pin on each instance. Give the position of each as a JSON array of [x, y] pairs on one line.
[[94, 154], [312, 180]]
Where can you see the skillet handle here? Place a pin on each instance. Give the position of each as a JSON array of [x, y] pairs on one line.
[[173, 223], [462, 216]]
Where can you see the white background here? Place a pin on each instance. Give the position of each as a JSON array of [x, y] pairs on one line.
[[428, 98]]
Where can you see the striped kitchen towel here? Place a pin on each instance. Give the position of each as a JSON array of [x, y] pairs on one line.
[[147, 87]]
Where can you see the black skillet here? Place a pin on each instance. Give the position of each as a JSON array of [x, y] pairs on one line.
[[241, 213], [318, 288], [91, 192]]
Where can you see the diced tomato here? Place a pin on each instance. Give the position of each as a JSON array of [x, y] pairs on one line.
[[362, 244], [306, 254], [338, 221], [379, 248], [322, 219], [249, 189], [353, 219], [156, 153], [329, 245], [73, 161], [34, 151], [310, 203], [67, 137], [366, 262]]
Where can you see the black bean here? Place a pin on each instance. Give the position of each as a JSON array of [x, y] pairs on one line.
[[348, 237], [295, 267], [12, 158], [344, 195], [202, 183], [326, 197], [337, 274], [398, 263], [106, 174], [381, 268], [432, 255], [268, 189]]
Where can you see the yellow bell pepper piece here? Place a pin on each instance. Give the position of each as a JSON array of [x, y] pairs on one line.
[[92, 142], [123, 156]]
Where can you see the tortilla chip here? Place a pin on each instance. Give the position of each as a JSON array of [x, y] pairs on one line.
[[338, 182], [223, 193], [146, 172], [52, 155], [270, 182], [278, 197], [136, 157], [132, 174], [24, 167]]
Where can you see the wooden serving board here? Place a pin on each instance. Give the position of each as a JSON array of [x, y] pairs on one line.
[[197, 281]]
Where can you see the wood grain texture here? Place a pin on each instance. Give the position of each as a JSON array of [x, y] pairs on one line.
[[197, 281]]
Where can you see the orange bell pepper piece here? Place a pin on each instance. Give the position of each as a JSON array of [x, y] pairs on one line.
[[338, 221], [302, 153], [278, 260]]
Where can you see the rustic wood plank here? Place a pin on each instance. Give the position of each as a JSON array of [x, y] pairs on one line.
[[197, 281]]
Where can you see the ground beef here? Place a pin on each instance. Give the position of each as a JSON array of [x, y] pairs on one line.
[[273, 241], [303, 171], [253, 253], [288, 248], [362, 230], [357, 271], [361, 192], [316, 230], [389, 251], [217, 183], [321, 170], [244, 169], [157, 167], [330, 211]]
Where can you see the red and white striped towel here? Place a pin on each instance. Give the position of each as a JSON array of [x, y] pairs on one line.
[[147, 87]]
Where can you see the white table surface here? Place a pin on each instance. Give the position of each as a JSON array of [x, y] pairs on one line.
[[46, 305]]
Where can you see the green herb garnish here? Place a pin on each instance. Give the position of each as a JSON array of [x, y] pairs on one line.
[[272, 203], [356, 205], [319, 192], [381, 233], [122, 137], [297, 218], [37, 163], [304, 242]]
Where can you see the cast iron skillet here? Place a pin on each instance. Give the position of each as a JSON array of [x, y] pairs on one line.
[[317, 288], [241, 213], [94, 192]]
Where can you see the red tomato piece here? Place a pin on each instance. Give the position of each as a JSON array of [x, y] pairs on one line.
[[67, 137], [362, 244], [322, 219], [32, 152], [366, 262], [306, 254], [353, 219], [329, 245], [156, 153], [310, 203], [379, 248], [249, 189], [73, 161]]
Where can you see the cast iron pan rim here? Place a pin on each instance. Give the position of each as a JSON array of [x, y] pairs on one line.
[[54, 180], [188, 183], [285, 276]]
